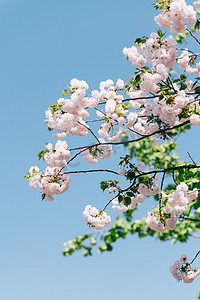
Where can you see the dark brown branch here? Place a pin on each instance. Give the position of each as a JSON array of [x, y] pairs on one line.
[[194, 257], [162, 171], [91, 171], [194, 37], [84, 149], [90, 131], [110, 202], [97, 120], [170, 87], [173, 176], [191, 158], [169, 169], [162, 182], [161, 187], [135, 140], [194, 54], [137, 98]]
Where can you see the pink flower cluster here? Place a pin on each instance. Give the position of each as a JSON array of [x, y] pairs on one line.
[[184, 60], [160, 54], [176, 203], [149, 191], [53, 181], [135, 56], [181, 270], [174, 15], [154, 221], [97, 218], [181, 197], [197, 3], [56, 157], [97, 153], [72, 111], [121, 207], [195, 119]]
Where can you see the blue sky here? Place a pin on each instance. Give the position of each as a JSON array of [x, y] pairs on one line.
[[44, 44]]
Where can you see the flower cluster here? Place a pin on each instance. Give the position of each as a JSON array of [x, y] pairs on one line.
[[123, 208], [176, 203], [197, 3], [56, 156], [186, 60], [160, 54], [95, 217], [156, 222], [181, 197], [68, 114], [181, 270], [153, 189], [174, 14], [53, 181], [92, 155]]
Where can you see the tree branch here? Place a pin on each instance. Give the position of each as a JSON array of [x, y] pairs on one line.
[[194, 257], [194, 37], [90, 131], [135, 140], [91, 171]]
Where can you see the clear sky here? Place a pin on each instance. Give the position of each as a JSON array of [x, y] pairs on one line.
[[44, 44]]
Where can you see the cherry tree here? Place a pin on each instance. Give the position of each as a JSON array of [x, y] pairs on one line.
[[145, 116]]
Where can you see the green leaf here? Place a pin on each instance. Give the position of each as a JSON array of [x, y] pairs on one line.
[[104, 185], [43, 196], [160, 33], [127, 201], [130, 175], [197, 89], [197, 24], [140, 41], [28, 175], [130, 194], [42, 153], [120, 198], [65, 92]]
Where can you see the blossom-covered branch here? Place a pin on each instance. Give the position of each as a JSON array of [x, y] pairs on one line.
[[154, 103]]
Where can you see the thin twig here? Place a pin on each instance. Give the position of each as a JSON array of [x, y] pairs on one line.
[[173, 176], [194, 257], [97, 120], [90, 131], [84, 149], [161, 187], [118, 123], [169, 79], [169, 86], [110, 202], [191, 158], [135, 140], [193, 36], [188, 167], [182, 49], [137, 98], [91, 171]]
